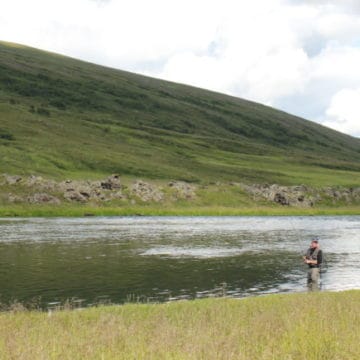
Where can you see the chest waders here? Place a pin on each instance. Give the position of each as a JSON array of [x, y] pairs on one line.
[[313, 275], [313, 256]]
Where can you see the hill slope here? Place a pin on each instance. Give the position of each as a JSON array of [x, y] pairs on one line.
[[63, 117]]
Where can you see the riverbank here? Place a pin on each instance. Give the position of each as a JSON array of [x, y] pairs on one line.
[[118, 196], [158, 210], [291, 326]]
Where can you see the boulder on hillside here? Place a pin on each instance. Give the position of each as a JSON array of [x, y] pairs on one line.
[[33, 180], [77, 190], [355, 192], [146, 192], [48, 185], [111, 183], [74, 195], [11, 179], [344, 194], [183, 190], [14, 199], [284, 195], [43, 198]]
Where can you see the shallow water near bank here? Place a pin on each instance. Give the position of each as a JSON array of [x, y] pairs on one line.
[[120, 259]]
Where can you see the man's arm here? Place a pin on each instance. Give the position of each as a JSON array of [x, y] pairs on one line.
[[312, 262], [319, 258]]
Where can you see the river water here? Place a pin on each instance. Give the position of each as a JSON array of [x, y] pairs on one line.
[[119, 259]]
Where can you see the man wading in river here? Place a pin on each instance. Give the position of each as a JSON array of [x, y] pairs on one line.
[[313, 258]]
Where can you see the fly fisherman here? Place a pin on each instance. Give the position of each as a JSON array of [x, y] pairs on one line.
[[313, 258]]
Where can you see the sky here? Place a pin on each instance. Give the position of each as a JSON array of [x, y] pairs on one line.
[[300, 56]]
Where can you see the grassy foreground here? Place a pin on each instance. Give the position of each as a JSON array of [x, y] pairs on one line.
[[295, 326]]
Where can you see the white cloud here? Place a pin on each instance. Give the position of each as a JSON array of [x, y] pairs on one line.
[[118, 33], [338, 63], [256, 54], [343, 113], [350, 6], [274, 51]]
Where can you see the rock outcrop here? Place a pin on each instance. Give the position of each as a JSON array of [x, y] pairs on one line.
[[346, 195], [84, 191], [11, 179], [39, 190], [301, 195], [111, 183], [69, 190]]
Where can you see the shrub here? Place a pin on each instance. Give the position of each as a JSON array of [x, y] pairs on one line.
[[5, 135], [43, 111]]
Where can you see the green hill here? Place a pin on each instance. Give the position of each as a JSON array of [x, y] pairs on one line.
[[62, 117]]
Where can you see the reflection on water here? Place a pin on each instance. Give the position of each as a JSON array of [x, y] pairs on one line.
[[162, 258]]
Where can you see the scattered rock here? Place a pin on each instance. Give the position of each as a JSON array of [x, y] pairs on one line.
[[12, 179], [284, 195], [76, 196], [33, 180], [111, 183], [355, 192], [281, 199], [82, 191], [11, 198], [338, 194], [183, 190], [116, 195], [43, 190], [234, 183], [146, 192], [43, 198]]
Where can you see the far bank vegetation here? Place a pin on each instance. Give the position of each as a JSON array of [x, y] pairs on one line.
[[113, 190]]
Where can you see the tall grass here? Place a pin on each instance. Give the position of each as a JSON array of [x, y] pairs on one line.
[[310, 326]]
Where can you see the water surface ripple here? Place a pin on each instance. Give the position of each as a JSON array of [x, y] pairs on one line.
[[162, 258]]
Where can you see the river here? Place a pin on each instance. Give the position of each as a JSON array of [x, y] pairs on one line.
[[120, 259]]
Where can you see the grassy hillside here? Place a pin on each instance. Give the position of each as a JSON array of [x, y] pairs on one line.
[[61, 117], [298, 326]]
